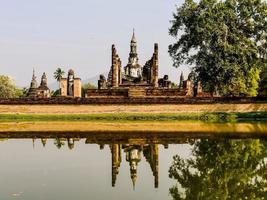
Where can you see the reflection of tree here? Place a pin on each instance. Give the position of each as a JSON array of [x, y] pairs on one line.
[[230, 169], [43, 140], [59, 143]]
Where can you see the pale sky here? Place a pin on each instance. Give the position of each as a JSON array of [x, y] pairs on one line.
[[78, 34]]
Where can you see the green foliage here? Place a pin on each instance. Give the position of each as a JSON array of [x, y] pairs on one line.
[[219, 117], [55, 93], [22, 92], [263, 81], [174, 85], [224, 40], [58, 74], [8, 88], [87, 86], [226, 169]]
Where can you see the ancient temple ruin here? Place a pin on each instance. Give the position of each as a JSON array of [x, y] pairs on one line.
[[70, 86], [135, 80], [131, 80], [40, 92], [133, 74]]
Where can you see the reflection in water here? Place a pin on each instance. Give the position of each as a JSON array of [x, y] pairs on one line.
[[59, 142], [133, 157], [226, 169], [132, 151], [215, 168]]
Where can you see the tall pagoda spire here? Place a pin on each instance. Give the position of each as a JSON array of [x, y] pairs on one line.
[[33, 82], [133, 69], [133, 51], [181, 81], [133, 177], [133, 37], [33, 74]]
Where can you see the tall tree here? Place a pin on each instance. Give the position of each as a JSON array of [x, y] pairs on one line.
[[224, 41], [230, 169], [8, 88], [58, 74]]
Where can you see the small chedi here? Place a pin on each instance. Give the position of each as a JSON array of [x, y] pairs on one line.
[[70, 86], [135, 80], [40, 92]]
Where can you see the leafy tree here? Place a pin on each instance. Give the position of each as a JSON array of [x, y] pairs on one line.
[[58, 74], [263, 83], [8, 88], [55, 93], [87, 86], [174, 85], [224, 41], [230, 169], [23, 92]]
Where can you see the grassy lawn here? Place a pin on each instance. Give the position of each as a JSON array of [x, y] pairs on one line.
[[208, 117]]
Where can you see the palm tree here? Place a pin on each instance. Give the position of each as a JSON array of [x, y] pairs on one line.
[[58, 74]]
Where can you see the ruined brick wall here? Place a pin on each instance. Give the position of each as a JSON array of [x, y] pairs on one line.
[[77, 87], [129, 100], [135, 92], [164, 92], [91, 93], [63, 87]]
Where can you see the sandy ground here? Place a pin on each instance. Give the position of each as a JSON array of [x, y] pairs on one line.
[[83, 109], [190, 127]]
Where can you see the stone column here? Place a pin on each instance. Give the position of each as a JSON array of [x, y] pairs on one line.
[[155, 66], [77, 87], [115, 162], [119, 72], [63, 87], [156, 163], [114, 67], [199, 88]]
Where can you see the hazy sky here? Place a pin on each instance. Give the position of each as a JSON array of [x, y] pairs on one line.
[[78, 34]]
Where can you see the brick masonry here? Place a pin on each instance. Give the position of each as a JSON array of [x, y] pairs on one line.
[[129, 100]]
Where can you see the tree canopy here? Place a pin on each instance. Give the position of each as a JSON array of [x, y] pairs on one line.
[[87, 86], [230, 169], [224, 41], [8, 88], [58, 74]]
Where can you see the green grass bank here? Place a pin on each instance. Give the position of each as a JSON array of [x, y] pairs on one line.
[[207, 117]]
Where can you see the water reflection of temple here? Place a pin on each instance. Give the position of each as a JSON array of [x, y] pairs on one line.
[[135, 147], [59, 142], [132, 152], [133, 157]]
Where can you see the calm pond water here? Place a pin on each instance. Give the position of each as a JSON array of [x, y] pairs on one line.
[[41, 166]]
